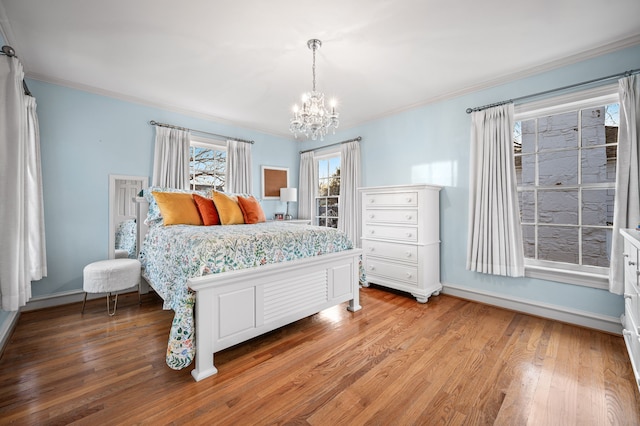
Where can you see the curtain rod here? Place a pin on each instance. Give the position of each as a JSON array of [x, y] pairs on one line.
[[171, 126], [358, 139], [11, 53], [559, 89]]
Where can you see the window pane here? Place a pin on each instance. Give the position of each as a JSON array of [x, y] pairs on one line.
[[332, 207], [558, 244], [558, 206], [528, 129], [558, 168], [323, 169], [334, 186], [596, 204], [334, 166], [527, 206], [593, 130], [323, 188], [526, 173], [558, 131], [596, 247], [596, 167], [529, 237], [332, 222]]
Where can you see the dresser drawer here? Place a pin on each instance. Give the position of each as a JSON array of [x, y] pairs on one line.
[[401, 216], [398, 272], [403, 252], [397, 233], [409, 198]]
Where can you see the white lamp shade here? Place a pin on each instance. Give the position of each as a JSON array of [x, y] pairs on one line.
[[289, 194]]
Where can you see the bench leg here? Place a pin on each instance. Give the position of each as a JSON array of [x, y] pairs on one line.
[[84, 301], [115, 303]]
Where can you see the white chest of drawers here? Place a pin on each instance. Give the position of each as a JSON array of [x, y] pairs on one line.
[[401, 238], [631, 317]]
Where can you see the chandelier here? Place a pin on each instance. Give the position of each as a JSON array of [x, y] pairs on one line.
[[313, 119]]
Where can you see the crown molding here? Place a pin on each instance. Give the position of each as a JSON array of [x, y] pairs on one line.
[[153, 104]]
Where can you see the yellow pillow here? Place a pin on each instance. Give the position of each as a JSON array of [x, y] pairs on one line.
[[228, 209], [177, 208]]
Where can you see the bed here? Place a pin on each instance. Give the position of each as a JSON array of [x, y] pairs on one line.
[[241, 280]]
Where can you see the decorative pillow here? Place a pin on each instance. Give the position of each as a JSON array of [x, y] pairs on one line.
[[228, 209], [207, 210], [154, 216], [251, 210], [177, 208]]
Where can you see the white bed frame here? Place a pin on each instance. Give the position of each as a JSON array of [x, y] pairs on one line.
[[235, 306]]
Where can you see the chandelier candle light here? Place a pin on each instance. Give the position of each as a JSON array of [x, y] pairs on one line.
[[313, 119]]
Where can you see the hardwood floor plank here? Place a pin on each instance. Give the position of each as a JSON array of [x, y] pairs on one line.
[[394, 362]]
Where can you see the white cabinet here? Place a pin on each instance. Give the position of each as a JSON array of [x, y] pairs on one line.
[[631, 317], [401, 238]]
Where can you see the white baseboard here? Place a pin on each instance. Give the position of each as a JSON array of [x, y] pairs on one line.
[[605, 323], [64, 298], [6, 328]]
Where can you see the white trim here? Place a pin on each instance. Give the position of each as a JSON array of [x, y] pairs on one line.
[[578, 317], [6, 328], [207, 142], [569, 102], [568, 276], [65, 298]]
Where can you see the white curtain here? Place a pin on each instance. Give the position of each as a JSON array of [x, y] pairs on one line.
[[22, 239], [349, 184], [171, 158], [307, 183], [626, 210], [495, 236], [239, 165]]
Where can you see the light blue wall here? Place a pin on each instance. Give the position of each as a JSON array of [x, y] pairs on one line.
[[431, 145], [85, 137]]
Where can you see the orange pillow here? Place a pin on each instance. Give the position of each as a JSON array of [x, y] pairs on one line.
[[228, 209], [207, 210], [251, 210], [177, 208]]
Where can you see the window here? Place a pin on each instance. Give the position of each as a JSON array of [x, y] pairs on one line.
[[565, 159], [207, 164], [328, 190]]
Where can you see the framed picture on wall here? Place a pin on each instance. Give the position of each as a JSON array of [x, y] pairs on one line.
[[274, 178]]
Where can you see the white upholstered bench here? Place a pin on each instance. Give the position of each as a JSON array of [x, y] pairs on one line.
[[110, 276]]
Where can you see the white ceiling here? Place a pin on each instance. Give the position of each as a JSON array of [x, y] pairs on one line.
[[246, 62]]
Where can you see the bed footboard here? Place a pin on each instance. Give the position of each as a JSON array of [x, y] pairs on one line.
[[238, 305]]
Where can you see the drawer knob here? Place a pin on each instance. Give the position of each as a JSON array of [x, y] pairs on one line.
[[371, 216], [408, 217], [627, 296], [409, 275], [372, 200], [632, 263], [408, 254], [371, 268], [371, 248], [409, 234], [371, 232], [625, 255]]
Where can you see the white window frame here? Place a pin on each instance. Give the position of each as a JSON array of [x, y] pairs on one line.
[[317, 158], [204, 142], [588, 276]]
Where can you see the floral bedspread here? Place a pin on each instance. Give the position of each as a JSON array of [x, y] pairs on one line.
[[170, 255]]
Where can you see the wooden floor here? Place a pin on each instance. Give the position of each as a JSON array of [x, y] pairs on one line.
[[395, 362]]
